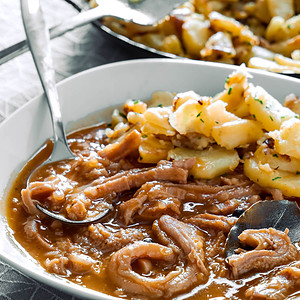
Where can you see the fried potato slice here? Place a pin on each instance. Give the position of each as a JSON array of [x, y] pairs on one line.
[[233, 94], [152, 149], [218, 46], [237, 133], [287, 139], [191, 116], [266, 64], [287, 182], [195, 33], [157, 121], [210, 163], [266, 109], [283, 9], [276, 161], [220, 22]]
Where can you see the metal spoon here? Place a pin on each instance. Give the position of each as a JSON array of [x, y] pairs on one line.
[[143, 12], [63, 219], [265, 214], [39, 43]]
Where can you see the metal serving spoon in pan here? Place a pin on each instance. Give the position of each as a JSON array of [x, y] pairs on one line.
[[142, 12], [264, 214]]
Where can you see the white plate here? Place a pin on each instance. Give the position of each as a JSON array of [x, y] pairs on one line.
[[84, 94]]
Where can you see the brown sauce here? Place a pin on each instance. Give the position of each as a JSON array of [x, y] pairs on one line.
[[64, 239]]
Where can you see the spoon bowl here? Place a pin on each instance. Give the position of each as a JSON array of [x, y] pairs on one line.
[[264, 214]]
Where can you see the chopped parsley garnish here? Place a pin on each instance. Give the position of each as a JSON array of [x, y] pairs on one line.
[[275, 178], [109, 124], [297, 173], [227, 79], [122, 115], [144, 135], [289, 26], [159, 105], [199, 114], [229, 91], [217, 122], [275, 155], [135, 1], [141, 158], [297, 116], [282, 117], [258, 100], [136, 101], [202, 120], [254, 116], [271, 118], [199, 137]]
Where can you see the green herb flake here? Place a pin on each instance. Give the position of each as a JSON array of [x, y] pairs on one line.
[[141, 158], [109, 124], [135, 1], [289, 26], [136, 101], [122, 115], [144, 135], [297, 116], [282, 117], [275, 155], [297, 173], [271, 118], [275, 178], [254, 116], [258, 100], [217, 122], [199, 114], [159, 105], [229, 91], [199, 137], [202, 120], [227, 79]]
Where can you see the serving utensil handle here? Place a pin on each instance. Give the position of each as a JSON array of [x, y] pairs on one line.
[[107, 8], [38, 39]]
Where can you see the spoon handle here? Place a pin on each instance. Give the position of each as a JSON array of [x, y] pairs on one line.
[[38, 39]]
